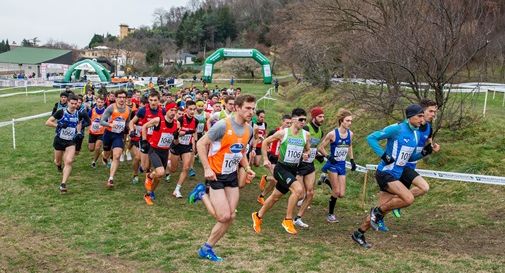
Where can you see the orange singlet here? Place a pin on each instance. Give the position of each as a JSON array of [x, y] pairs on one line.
[[118, 120]]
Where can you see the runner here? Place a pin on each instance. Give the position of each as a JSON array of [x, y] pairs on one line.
[[221, 151], [294, 145], [340, 140], [164, 131], [62, 103], [67, 123], [306, 169], [96, 130], [81, 108], [273, 155], [114, 119], [184, 146], [217, 107], [421, 187], [393, 178], [135, 136], [229, 107], [260, 131]]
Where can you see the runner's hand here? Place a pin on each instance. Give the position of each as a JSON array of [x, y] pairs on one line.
[[210, 175], [133, 133], [387, 159], [78, 136], [331, 159], [427, 150], [319, 157], [436, 147], [267, 164], [353, 165], [144, 146], [63, 124]]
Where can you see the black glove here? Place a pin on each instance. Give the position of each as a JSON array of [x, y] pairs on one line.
[[144, 146], [353, 165], [133, 133], [331, 159], [387, 159], [319, 157], [63, 124], [428, 149], [78, 136]]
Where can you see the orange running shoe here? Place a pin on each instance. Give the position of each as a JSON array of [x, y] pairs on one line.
[[257, 221], [261, 200], [288, 225], [263, 182], [148, 200], [148, 184]]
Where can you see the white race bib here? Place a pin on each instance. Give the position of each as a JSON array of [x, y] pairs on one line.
[[185, 139], [138, 130], [340, 153], [165, 140], [230, 163], [67, 133], [404, 155], [150, 130], [118, 126], [200, 127], [293, 154], [95, 126], [312, 155]]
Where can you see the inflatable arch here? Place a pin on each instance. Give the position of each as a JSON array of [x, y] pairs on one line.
[[223, 53], [89, 65]]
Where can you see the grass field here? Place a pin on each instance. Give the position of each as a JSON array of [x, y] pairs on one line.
[[456, 227]]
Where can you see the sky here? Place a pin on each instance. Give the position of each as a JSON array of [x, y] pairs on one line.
[[74, 22]]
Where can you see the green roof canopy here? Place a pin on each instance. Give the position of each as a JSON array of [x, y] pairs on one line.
[[31, 55]]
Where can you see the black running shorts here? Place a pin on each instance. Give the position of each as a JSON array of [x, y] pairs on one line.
[[158, 157], [383, 178], [285, 176], [223, 181]]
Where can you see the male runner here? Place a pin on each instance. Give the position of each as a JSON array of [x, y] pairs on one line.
[[184, 146], [393, 178], [295, 145], [67, 122], [163, 133], [229, 107], [135, 137], [221, 151], [96, 130], [62, 103], [306, 169], [260, 131], [114, 119], [340, 140]]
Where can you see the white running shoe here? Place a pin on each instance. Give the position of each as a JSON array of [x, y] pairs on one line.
[[300, 223], [299, 203], [122, 158], [177, 194], [331, 218], [128, 156]]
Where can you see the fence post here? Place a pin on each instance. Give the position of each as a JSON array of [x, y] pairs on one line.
[[13, 134], [485, 104], [503, 101], [45, 99], [494, 94], [363, 195], [26, 87]]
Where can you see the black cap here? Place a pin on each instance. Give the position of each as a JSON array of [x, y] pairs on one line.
[[413, 109]]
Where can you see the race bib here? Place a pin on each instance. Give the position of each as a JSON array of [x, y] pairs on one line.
[[138, 130], [404, 155], [185, 139], [150, 130], [67, 133], [293, 154], [95, 126], [312, 155], [230, 163], [200, 127], [165, 140], [118, 126], [340, 153]]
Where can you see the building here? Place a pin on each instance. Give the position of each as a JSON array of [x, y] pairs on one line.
[[120, 58], [124, 30], [42, 62], [179, 58]]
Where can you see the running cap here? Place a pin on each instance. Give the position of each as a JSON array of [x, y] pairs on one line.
[[200, 103], [316, 111], [413, 109], [170, 106]]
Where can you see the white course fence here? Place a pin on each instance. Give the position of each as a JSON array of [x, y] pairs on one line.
[[14, 121]]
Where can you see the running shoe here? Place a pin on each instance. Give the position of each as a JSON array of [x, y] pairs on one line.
[[382, 226], [63, 187], [206, 252], [60, 169], [299, 203], [177, 194], [288, 225], [263, 182], [167, 178], [122, 158], [148, 199], [148, 183], [397, 213], [109, 163], [300, 223], [261, 200], [375, 217], [331, 218], [153, 196], [192, 172], [197, 193], [135, 180], [105, 161], [110, 183], [327, 182], [128, 156], [322, 178], [359, 238], [257, 221], [93, 164]]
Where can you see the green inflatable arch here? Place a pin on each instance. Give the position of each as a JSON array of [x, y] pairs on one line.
[[223, 53], [76, 68]]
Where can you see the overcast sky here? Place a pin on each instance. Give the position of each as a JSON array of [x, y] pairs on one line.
[[74, 22]]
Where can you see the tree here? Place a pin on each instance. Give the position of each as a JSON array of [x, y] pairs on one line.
[[59, 45], [96, 40], [27, 43]]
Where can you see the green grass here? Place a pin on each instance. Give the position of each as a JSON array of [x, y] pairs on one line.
[[456, 227]]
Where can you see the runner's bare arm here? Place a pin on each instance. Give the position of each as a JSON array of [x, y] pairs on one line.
[[153, 122], [51, 122], [203, 151], [279, 135], [326, 140], [350, 151]]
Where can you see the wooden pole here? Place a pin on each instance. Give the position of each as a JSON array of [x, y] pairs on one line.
[[363, 195]]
